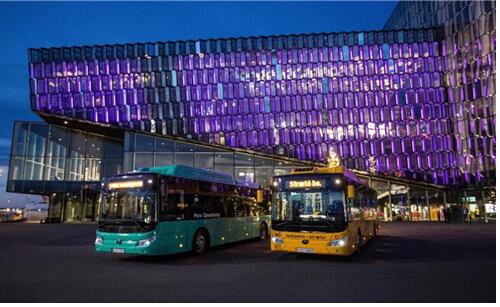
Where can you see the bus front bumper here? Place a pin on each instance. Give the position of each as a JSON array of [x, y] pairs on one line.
[[127, 243], [312, 243]]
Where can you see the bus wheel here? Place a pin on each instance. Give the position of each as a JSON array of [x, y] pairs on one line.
[[200, 242], [263, 231]]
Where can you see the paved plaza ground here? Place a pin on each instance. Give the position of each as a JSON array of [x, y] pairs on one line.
[[407, 262]]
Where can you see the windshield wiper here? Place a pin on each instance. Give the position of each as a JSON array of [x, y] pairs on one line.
[[282, 223]]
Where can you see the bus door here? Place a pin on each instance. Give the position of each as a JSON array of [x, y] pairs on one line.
[[173, 211], [355, 214], [240, 223], [361, 203]]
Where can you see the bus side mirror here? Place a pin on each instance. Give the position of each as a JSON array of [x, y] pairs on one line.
[[350, 191]]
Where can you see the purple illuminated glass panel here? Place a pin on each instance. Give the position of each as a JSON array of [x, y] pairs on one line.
[[303, 97]]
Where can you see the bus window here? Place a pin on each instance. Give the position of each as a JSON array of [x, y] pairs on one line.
[[240, 208], [209, 206], [217, 202], [258, 209], [355, 204], [360, 199], [264, 208], [253, 209], [175, 207], [129, 204], [229, 205], [336, 208], [163, 197], [371, 202]]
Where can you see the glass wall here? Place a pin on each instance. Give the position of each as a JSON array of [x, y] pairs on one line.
[[55, 207], [473, 201], [489, 198], [264, 171], [399, 202], [145, 151], [73, 208], [63, 164], [419, 205], [244, 167], [52, 153], [384, 208], [406, 201]]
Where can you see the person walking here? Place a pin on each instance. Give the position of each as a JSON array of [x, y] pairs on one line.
[[471, 216], [466, 214]]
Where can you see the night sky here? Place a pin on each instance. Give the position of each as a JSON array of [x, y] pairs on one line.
[[42, 24]]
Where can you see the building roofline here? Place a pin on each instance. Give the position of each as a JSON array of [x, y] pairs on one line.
[[231, 38]]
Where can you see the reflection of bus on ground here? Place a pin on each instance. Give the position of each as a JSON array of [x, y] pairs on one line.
[[173, 209], [323, 211]]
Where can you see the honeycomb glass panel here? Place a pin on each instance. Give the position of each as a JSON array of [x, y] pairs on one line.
[[295, 95]]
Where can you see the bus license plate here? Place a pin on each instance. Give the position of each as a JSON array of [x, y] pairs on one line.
[[304, 250], [119, 250]]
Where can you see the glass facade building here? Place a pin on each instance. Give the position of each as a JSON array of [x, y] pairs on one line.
[[374, 94], [414, 101], [468, 44]]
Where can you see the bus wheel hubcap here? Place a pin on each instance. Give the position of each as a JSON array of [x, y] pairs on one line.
[[200, 242]]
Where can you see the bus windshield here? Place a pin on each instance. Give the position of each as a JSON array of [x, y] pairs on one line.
[[126, 204], [323, 208]]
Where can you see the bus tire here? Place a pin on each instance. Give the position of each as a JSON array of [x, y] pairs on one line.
[[263, 232], [201, 242]]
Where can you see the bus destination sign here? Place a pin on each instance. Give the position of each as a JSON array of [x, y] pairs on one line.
[[303, 184], [125, 184]]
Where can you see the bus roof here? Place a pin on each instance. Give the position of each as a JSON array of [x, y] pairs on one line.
[[195, 174]]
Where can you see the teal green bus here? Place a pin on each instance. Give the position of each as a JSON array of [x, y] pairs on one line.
[[175, 209]]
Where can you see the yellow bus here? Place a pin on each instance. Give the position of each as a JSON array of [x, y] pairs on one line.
[[322, 210]]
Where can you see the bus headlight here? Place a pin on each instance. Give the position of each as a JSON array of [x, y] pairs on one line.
[[98, 241], [338, 242], [146, 242], [277, 240]]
